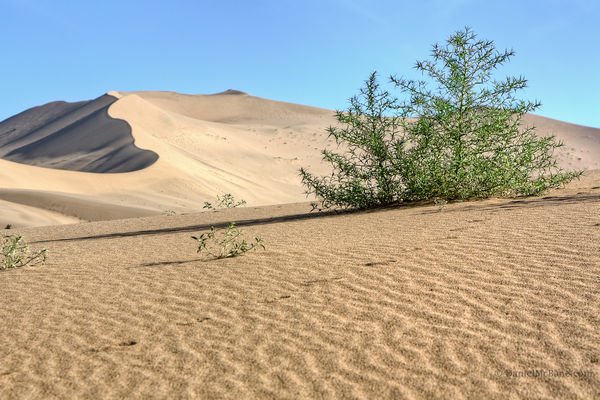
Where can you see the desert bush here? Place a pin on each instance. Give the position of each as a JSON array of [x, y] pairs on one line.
[[225, 243], [456, 135], [16, 253], [225, 201], [468, 140], [364, 175]]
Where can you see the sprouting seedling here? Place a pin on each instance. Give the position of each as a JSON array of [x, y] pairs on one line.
[[226, 201], [16, 253], [226, 243], [317, 207], [440, 203]]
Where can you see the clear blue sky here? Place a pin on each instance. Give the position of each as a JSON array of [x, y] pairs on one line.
[[314, 52]]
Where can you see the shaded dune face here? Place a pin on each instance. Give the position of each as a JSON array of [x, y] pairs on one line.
[[77, 136]]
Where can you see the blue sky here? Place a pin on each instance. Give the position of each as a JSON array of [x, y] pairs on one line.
[[314, 52]]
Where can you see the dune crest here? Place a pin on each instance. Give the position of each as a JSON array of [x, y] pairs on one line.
[[233, 92]]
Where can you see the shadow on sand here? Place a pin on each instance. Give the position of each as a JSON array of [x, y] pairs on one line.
[[548, 201]]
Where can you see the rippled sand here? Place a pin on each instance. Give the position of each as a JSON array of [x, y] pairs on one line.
[[414, 302]]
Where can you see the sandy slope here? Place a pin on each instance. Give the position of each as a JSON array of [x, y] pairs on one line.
[[21, 215], [199, 158], [207, 145], [412, 303], [581, 143], [74, 136]]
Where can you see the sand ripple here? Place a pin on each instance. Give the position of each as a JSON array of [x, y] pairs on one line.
[[407, 303]]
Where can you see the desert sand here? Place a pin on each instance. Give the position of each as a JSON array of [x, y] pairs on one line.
[[180, 151], [206, 145], [75, 136], [489, 299]]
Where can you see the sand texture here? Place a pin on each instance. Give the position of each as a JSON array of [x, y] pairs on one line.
[[180, 151], [415, 302]]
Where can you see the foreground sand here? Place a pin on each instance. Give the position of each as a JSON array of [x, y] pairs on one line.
[[401, 303]]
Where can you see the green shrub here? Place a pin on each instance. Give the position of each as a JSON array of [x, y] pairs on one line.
[[226, 242], [226, 201], [456, 135], [364, 175], [16, 253]]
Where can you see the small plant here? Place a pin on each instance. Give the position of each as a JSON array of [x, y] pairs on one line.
[[226, 243], [440, 203], [8, 226], [226, 201], [315, 206], [16, 253], [169, 213]]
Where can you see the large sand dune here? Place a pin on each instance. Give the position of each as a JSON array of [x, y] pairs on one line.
[[75, 136], [255, 156], [490, 300], [151, 152]]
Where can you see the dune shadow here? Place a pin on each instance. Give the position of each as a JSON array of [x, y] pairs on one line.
[[467, 206], [165, 263], [200, 227]]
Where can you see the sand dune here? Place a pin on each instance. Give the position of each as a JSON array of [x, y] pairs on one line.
[[235, 107], [21, 215], [79, 206], [581, 143], [493, 299], [75, 136], [198, 158], [206, 145]]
